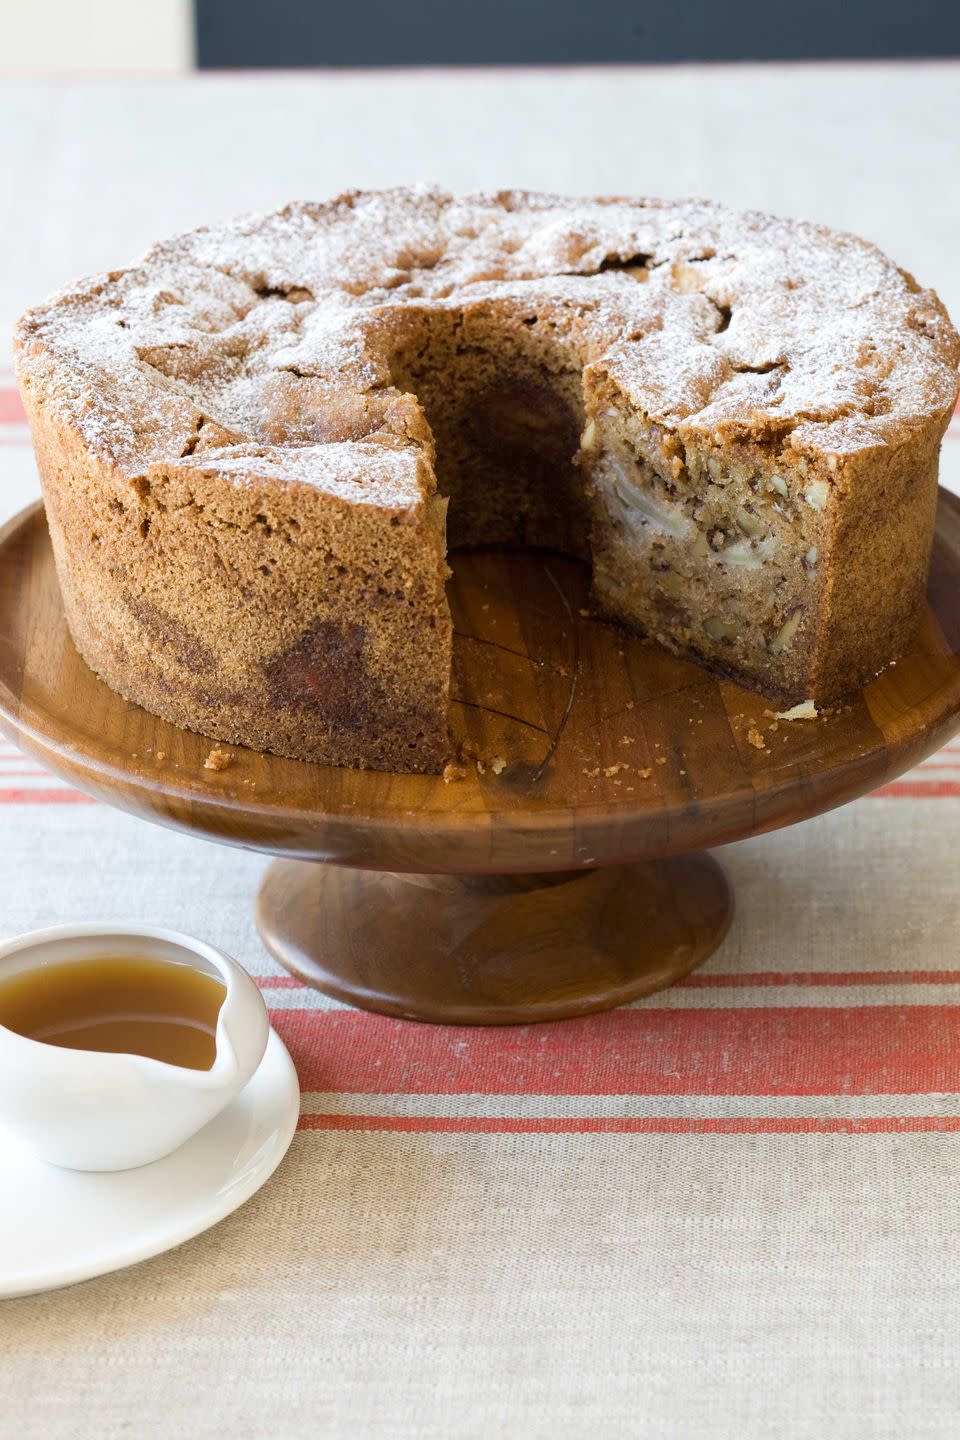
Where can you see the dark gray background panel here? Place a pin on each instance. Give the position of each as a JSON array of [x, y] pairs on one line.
[[261, 33]]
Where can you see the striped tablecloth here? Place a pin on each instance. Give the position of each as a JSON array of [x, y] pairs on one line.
[[729, 1210]]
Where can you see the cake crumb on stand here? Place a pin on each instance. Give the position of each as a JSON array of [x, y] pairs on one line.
[[218, 759]]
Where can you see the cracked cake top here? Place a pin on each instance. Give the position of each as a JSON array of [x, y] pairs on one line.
[[264, 345]]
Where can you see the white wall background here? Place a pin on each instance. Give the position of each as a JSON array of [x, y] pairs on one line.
[[49, 37]]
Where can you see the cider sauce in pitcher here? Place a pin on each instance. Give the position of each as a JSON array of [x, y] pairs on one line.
[[123, 1003]]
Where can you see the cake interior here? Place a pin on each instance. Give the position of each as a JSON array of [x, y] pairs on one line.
[[506, 411], [710, 552]]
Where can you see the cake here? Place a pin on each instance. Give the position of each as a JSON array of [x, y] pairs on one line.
[[257, 444]]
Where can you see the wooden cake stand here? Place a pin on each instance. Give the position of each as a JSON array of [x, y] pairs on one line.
[[564, 871]]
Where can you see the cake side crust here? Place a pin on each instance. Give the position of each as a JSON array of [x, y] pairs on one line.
[[261, 613]]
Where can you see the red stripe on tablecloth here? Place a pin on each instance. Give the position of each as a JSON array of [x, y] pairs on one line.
[[37, 796], [635, 1125], [11, 409], [918, 790], [800, 1050], [743, 980]]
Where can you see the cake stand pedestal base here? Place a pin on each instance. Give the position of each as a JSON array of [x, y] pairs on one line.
[[494, 950]]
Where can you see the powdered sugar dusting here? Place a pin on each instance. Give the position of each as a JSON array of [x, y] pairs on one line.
[[358, 473], [271, 329]]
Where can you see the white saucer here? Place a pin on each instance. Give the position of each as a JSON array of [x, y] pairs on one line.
[[60, 1226]]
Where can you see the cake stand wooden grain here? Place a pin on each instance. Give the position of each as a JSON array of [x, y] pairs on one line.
[[564, 871]]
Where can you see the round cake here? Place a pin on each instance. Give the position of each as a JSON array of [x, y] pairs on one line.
[[257, 444]]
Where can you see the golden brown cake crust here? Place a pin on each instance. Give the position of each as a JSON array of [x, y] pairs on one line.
[[241, 485]]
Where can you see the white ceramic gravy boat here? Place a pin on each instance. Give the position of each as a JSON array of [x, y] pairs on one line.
[[86, 1110]]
